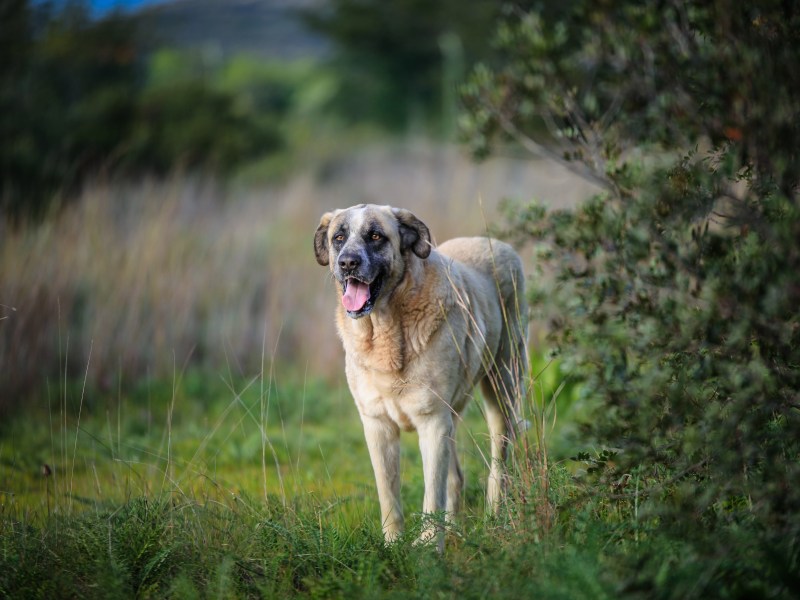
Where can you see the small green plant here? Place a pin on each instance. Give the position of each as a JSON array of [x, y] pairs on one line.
[[597, 462]]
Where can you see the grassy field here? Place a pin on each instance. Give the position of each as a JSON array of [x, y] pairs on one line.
[[217, 486], [213, 485], [176, 422]]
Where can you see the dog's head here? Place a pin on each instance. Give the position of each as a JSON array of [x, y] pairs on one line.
[[367, 247]]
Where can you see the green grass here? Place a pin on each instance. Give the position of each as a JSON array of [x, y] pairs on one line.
[[246, 547], [173, 488], [203, 439], [167, 480]]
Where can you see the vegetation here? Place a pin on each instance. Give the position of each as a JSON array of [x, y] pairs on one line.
[[399, 62], [66, 88], [676, 290], [257, 487], [81, 97], [130, 280], [176, 424]]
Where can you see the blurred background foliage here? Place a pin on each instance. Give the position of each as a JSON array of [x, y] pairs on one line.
[[126, 132], [82, 95], [215, 87], [670, 299], [400, 61]]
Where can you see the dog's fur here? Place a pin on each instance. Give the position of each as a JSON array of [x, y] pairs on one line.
[[437, 322]]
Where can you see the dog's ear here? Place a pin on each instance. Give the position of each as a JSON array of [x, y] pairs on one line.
[[414, 233], [321, 239]]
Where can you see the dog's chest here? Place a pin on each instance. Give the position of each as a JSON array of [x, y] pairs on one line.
[[387, 396], [394, 409]]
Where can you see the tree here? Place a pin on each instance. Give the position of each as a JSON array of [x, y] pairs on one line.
[[394, 56], [677, 289], [68, 98], [75, 103]]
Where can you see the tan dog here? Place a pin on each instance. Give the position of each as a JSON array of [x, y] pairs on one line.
[[420, 328]]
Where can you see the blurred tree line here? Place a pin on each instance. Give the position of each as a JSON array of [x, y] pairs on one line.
[[81, 95], [677, 290], [75, 100], [400, 61]]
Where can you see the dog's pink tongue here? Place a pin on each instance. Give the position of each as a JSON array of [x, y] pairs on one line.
[[355, 296]]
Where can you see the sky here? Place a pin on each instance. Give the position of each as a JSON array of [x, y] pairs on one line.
[[102, 6]]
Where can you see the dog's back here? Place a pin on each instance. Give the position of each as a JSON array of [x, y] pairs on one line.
[[503, 384], [495, 261]]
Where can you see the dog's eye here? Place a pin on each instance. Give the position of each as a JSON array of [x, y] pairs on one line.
[[339, 238], [376, 236]]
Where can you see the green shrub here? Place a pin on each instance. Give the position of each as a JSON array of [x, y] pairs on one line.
[[676, 289], [399, 61]]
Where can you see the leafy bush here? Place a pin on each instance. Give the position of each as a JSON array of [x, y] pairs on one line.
[[676, 290]]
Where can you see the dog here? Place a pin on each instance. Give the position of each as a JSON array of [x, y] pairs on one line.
[[421, 326]]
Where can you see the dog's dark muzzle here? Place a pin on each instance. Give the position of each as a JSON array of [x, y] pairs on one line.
[[361, 284]]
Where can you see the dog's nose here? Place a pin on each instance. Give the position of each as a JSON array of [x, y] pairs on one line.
[[349, 261]]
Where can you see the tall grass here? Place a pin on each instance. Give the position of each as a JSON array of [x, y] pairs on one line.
[[155, 273], [162, 492], [180, 423]]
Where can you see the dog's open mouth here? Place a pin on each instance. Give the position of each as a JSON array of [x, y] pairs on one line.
[[358, 297]]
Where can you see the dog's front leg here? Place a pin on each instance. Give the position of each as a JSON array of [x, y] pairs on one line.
[[383, 442], [435, 435]]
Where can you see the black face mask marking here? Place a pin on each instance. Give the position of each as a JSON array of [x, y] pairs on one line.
[[361, 266]]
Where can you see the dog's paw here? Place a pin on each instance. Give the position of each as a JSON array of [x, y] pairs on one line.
[[430, 537]]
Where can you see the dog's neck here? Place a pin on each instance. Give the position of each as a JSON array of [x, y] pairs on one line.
[[400, 326]]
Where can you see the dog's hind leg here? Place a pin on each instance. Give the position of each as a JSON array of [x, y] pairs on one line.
[[498, 422], [455, 483], [503, 389]]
